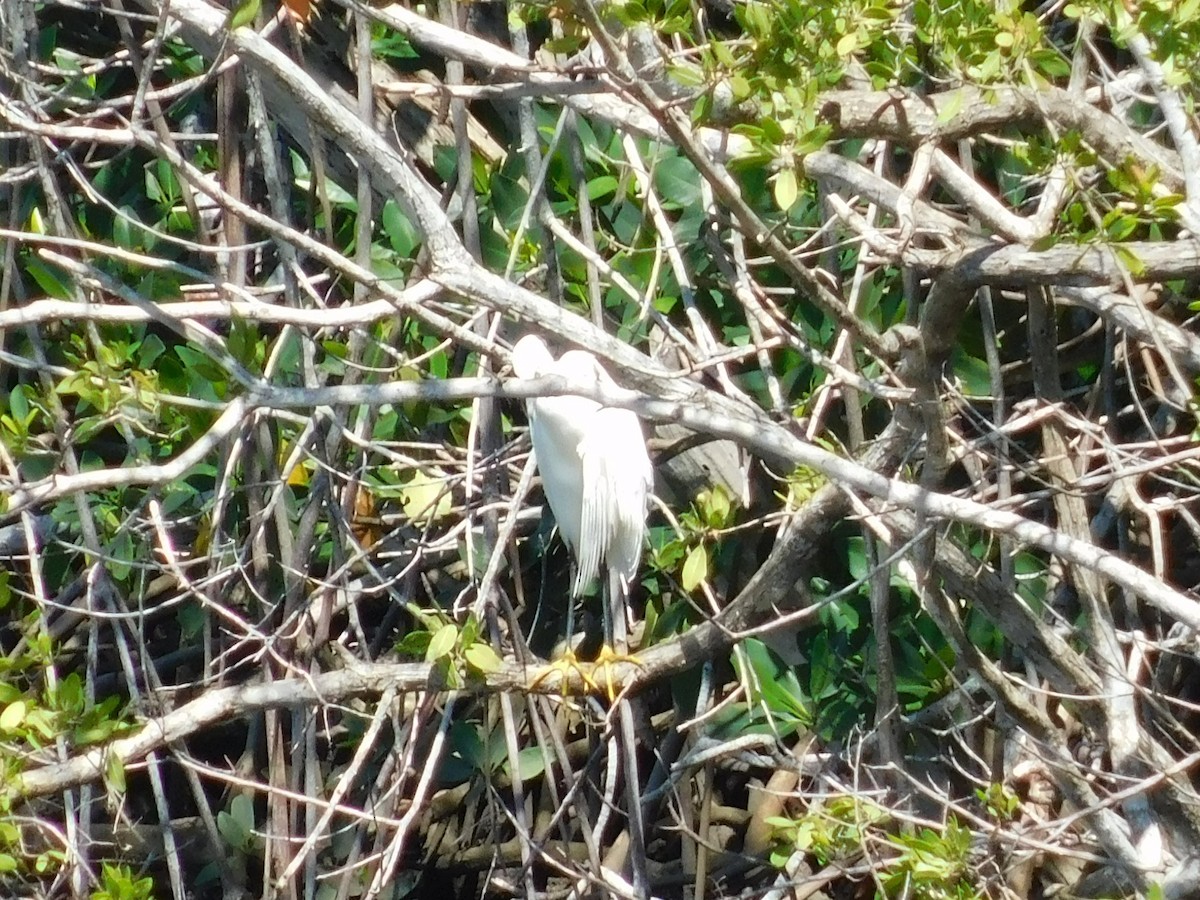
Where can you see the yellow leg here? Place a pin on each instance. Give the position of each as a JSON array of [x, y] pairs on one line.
[[606, 659]]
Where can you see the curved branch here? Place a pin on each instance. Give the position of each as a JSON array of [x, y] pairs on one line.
[[911, 119]]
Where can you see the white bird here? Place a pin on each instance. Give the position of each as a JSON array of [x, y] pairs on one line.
[[596, 475], [595, 470]]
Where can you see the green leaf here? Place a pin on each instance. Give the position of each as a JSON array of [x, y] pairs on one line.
[[602, 187], [401, 234], [566, 46], [530, 762], [719, 507], [242, 809], [974, 374], [723, 55], [469, 633], [813, 140], [50, 279], [677, 182], [43, 722], [442, 642], [1130, 260], [466, 741], [777, 685], [191, 620], [772, 131], [950, 109], [69, 697], [150, 350], [687, 75], [231, 830], [414, 644], [121, 552], [18, 404], [651, 617], [114, 773], [483, 658], [714, 508], [1120, 227], [127, 230], [243, 13], [429, 621], [695, 570], [237, 825], [756, 18]]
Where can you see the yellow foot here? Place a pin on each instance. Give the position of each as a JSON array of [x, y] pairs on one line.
[[563, 667], [606, 659]]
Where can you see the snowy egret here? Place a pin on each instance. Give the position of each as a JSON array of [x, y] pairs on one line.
[[595, 470], [596, 475]]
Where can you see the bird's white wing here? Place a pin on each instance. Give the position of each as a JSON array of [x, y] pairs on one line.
[[616, 480], [556, 427]]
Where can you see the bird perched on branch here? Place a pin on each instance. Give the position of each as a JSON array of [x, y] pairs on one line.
[[595, 471]]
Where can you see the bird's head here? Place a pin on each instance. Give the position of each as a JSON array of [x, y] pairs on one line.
[[531, 358]]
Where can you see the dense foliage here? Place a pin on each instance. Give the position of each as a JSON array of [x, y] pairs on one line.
[[903, 291]]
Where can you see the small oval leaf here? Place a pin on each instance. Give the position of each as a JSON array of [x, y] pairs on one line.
[[483, 658], [695, 570], [787, 189], [13, 716], [442, 642]]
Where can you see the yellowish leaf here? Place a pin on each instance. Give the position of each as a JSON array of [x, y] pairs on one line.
[[13, 716], [442, 642], [695, 570], [483, 658], [787, 189], [425, 497]]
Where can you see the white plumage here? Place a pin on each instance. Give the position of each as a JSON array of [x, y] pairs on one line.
[[595, 470]]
